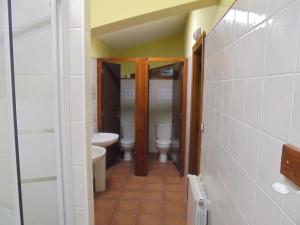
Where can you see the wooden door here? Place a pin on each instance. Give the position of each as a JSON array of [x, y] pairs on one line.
[[109, 105], [177, 109], [141, 117], [196, 107]]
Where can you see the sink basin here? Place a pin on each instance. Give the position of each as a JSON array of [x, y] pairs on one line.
[[104, 139], [97, 153]]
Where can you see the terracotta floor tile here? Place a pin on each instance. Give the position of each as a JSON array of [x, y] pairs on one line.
[[148, 219], [103, 217], [115, 185], [130, 206], [156, 172], [174, 197], [134, 186], [173, 180], [136, 179], [157, 199], [110, 194], [154, 187], [171, 173], [121, 218], [174, 219], [105, 205], [117, 178], [154, 180], [179, 188], [174, 208], [154, 195], [131, 195], [152, 207]]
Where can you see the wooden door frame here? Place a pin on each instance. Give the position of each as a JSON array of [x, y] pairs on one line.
[[184, 102], [142, 107], [141, 111], [196, 117]]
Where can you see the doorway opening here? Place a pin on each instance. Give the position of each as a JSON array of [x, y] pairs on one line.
[[167, 111], [113, 75], [196, 121], [116, 107]]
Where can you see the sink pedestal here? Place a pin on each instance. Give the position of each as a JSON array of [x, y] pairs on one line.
[[99, 174], [99, 167]]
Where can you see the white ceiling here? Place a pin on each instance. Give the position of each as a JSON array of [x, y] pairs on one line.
[[143, 33]]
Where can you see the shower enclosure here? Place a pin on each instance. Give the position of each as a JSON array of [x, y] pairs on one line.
[[31, 190]]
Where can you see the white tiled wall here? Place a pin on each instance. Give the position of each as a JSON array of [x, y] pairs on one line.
[[79, 92], [252, 107]]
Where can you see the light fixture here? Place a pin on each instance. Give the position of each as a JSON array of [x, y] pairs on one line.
[[284, 189], [197, 34]]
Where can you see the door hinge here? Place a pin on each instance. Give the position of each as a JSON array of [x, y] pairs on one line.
[[202, 127]]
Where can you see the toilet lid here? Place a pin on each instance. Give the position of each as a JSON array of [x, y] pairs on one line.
[[163, 142], [127, 141]]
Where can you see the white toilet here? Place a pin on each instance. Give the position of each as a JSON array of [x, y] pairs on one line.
[[163, 140], [127, 141]]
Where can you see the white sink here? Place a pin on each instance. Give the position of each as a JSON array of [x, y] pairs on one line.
[[97, 153], [104, 139]]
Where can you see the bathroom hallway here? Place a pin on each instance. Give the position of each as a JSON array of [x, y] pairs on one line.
[[158, 199]]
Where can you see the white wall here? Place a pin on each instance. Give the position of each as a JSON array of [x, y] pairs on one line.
[[252, 106], [78, 109], [128, 103], [160, 107]]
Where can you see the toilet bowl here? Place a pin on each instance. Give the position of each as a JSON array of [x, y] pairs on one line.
[[163, 141], [127, 145], [128, 141]]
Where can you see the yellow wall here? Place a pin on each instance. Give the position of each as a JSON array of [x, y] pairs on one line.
[[206, 19], [110, 11], [167, 47], [223, 7], [100, 49], [201, 18]]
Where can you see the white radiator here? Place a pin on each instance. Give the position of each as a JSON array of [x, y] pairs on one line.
[[197, 202]]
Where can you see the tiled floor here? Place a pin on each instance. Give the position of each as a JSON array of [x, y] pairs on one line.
[[158, 199]]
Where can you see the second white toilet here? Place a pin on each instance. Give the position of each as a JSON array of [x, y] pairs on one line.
[[127, 140], [163, 140]]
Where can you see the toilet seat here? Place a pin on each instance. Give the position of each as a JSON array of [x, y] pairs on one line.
[[127, 141], [163, 143]]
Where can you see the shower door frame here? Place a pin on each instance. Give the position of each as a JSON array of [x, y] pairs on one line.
[[11, 100]]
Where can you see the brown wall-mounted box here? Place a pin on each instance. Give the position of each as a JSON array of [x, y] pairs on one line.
[[290, 163]]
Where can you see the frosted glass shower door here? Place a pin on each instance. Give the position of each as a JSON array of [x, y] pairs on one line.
[[34, 34]]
